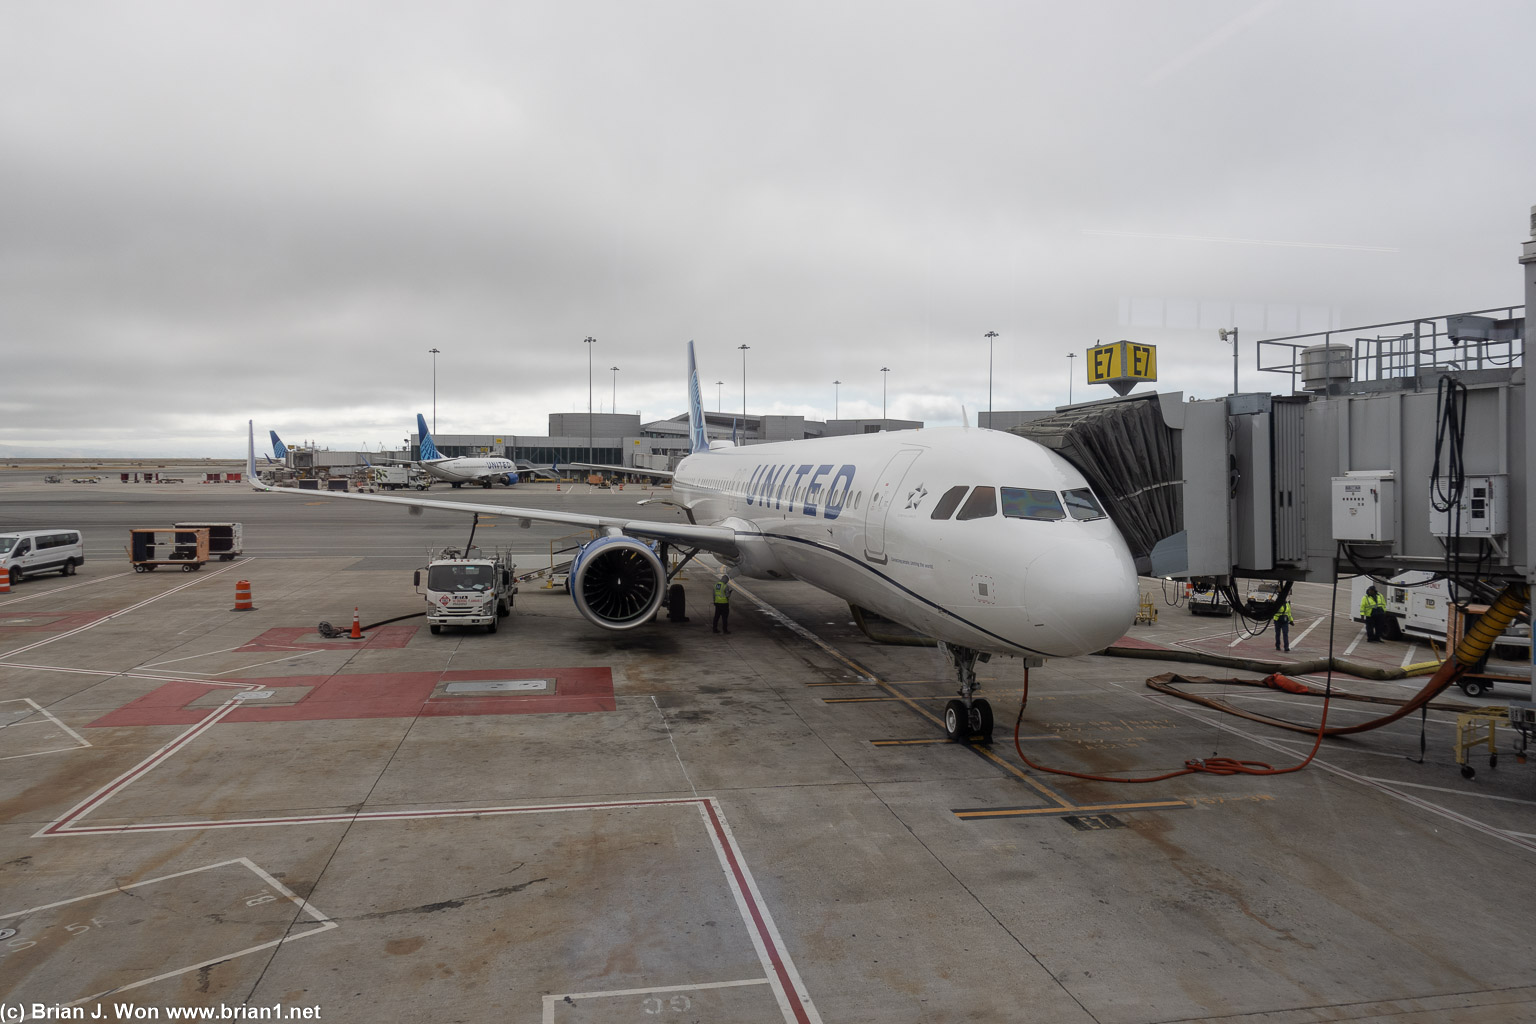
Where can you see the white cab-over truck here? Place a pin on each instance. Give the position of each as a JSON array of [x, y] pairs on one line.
[[466, 589]]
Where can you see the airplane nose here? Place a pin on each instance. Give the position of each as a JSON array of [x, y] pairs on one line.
[[1084, 594]]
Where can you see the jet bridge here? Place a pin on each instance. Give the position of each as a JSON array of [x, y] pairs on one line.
[[1401, 446]]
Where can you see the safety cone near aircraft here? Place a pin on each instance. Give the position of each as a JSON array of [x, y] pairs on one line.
[[243, 597], [357, 625], [5, 580]]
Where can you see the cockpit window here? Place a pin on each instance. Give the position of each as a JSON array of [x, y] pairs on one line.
[[1031, 503], [1082, 504], [947, 504], [981, 504]]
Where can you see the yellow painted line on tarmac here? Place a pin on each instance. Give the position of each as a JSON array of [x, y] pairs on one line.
[[876, 700], [1055, 812], [906, 743]]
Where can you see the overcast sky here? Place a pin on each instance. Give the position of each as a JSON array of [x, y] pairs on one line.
[[218, 211]]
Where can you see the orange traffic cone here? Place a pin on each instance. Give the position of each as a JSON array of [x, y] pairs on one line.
[[357, 625], [5, 580], [243, 597], [557, 485]]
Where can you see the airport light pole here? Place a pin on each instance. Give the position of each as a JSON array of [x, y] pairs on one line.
[[743, 390], [589, 341], [434, 388], [884, 376], [1232, 331], [719, 392], [613, 405], [1071, 367], [989, 336], [835, 385]]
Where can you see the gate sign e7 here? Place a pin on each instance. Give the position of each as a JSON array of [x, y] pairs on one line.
[[1122, 364]]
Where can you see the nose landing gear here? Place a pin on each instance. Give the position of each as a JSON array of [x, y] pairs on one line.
[[970, 716]]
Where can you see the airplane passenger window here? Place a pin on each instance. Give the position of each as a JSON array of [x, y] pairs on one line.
[[1031, 503], [981, 504], [1082, 504], [947, 504]]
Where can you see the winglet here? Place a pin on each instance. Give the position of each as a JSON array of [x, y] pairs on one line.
[[250, 457], [279, 450], [428, 446], [698, 440]]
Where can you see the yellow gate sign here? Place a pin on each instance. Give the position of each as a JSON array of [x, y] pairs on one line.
[[1122, 364]]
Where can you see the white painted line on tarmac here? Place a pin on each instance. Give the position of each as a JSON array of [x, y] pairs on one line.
[[550, 1001], [117, 614], [1388, 789], [326, 924], [1355, 643], [60, 590], [1458, 792], [863, 673], [1315, 623], [80, 741], [765, 935], [1408, 655]]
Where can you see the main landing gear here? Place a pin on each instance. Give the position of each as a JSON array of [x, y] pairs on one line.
[[970, 715]]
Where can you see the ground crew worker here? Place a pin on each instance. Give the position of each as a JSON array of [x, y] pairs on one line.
[[722, 605], [1283, 620], [1373, 607]]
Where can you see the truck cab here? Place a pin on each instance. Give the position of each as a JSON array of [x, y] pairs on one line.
[[466, 589]]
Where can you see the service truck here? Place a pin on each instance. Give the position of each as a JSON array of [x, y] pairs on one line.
[[466, 588], [395, 478]]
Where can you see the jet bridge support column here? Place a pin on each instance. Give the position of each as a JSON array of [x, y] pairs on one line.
[[1528, 262]]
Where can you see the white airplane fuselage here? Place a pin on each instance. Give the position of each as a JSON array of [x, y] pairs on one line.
[[854, 516], [463, 470]]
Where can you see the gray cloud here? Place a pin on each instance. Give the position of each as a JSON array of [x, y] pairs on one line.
[[215, 212]]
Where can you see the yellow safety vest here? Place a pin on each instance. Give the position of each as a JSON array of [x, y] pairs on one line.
[[1369, 604], [1284, 613], [722, 593]]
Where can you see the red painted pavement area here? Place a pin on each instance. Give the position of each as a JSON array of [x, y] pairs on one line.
[[24, 621], [304, 638], [375, 695]]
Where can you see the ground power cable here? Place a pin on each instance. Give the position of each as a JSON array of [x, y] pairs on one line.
[[1212, 765]]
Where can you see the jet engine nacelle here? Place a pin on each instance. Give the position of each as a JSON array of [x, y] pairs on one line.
[[510, 479], [617, 582]]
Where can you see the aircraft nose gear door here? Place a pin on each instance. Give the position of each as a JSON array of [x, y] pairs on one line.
[[885, 493]]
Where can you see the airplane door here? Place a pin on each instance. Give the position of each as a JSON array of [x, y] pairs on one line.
[[881, 498]]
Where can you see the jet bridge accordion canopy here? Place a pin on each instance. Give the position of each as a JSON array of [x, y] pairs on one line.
[[1130, 457]]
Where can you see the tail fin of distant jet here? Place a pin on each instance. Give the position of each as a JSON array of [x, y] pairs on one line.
[[428, 447], [279, 450], [698, 441]]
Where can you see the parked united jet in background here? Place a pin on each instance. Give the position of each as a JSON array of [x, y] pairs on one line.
[[279, 450], [462, 469], [983, 540]]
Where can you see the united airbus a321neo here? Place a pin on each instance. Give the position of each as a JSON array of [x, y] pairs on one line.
[[983, 540]]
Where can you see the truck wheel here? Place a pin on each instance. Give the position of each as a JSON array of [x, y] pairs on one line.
[[189, 567], [490, 627], [435, 629], [504, 608], [137, 568], [69, 568], [1472, 687]]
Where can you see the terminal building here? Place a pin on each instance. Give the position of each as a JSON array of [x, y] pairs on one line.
[[619, 439]]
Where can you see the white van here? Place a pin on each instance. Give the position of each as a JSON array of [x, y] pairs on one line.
[[33, 551]]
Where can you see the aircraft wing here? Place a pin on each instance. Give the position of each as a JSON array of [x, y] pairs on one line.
[[631, 470], [715, 539]]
